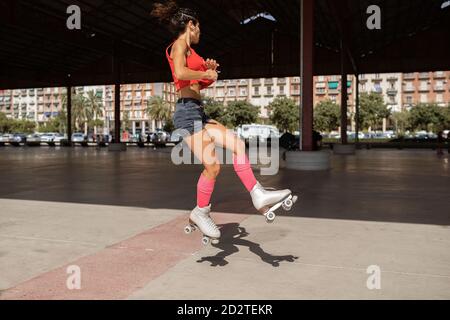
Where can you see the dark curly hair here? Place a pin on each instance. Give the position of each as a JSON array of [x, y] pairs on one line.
[[176, 18]]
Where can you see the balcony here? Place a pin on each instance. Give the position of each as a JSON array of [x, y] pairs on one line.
[[333, 91], [409, 76], [424, 88], [392, 91], [439, 75], [392, 77], [424, 75], [439, 88], [409, 89]]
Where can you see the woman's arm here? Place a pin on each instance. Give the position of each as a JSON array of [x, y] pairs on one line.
[[181, 71]]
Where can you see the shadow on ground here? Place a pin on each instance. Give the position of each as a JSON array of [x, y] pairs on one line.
[[232, 238]]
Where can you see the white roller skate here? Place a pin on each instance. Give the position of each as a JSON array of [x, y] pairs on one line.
[[200, 219], [268, 200]]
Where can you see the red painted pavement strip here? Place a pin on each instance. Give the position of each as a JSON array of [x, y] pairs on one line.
[[119, 270]]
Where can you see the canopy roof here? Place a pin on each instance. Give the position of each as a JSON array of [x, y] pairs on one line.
[[37, 49]]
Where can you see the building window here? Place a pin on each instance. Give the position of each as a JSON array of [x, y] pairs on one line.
[[423, 98], [439, 98], [377, 88], [256, 90], [281, 89], [409, 100]]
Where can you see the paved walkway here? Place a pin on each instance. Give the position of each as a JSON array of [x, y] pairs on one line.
[[119, 219]]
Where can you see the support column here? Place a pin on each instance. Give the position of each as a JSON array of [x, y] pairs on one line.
[[344, 98], [69, 115], [117, 112], [307, 74], [357, 109], [117, 145]]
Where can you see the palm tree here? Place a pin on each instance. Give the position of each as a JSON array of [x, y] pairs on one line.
[[94, 102], [81, 112], [158, 109]]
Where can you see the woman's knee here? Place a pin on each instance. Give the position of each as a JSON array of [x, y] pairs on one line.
[[213, 170], [239, 146]]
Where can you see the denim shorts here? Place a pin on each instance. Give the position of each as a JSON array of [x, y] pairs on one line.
[[189, 116]]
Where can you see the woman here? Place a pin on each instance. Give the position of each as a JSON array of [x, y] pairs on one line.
[[191, 73]]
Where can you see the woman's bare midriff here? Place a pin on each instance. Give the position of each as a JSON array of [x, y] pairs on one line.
[[192, 91]]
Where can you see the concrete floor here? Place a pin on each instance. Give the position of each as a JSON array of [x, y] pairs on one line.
[[119, 217]]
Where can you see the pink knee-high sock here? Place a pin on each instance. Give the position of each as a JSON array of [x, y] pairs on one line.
[[205, 188], [244, 171]]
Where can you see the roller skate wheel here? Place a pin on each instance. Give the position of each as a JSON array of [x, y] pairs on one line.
[[270, 217], [205, 241], [287, 205], [188, 230]]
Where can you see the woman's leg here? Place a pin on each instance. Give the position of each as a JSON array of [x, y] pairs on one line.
[[227, 139], [202, 146]]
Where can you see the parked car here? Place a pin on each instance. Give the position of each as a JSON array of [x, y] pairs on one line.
[[59, 137], [257, 132], [33, 140], [4, 138], [175, 137], [159, 137], [79, 138], [49, 137], [17, 138]]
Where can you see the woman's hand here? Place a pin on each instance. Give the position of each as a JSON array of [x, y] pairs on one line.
[[211, 64], [211, 75]]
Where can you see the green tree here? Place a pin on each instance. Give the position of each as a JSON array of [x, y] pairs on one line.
[[94, 102], [126, 121], [284, 114], [239, 113], [372, 110], [23, 126], [446, 113], [5, 123], [327, 115], [428, 117], [169, 126], [401, 121], [51, 125], [81, 112], [214, 109], [158, 109]]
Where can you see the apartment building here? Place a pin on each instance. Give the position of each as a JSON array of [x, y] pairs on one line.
[[389, 85], [400, 92], [426, 87]]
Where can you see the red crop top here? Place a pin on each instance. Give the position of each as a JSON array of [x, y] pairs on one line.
[[194, 62]]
